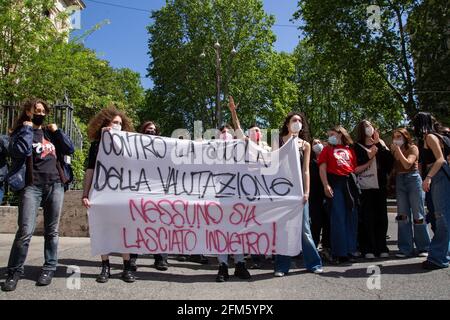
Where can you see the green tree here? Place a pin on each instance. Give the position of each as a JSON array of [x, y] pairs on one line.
[[329, 97], [24, 30], [185, 79], [339, 30]]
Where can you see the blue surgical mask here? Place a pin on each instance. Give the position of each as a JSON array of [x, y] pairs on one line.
[[333, 140]]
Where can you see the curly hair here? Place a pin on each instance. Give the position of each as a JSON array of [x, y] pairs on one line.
[[104, 119]]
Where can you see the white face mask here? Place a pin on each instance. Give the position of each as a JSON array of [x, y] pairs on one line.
[[226, 136], [399, 142], [369, 131], [317, 148], [296, 127], [116, 127]]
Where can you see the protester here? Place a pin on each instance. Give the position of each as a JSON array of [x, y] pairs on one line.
[[320, 221], [239, 259], [295, 125], [437, 183], [37, 152], [107, 119], [4, 143], [373, 184], [337, 163], [410, 197], [255, 136], [161, 264]]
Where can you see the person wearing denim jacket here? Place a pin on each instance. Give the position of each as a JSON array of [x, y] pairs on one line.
[[410, 197], [437, 182], [39, 148]]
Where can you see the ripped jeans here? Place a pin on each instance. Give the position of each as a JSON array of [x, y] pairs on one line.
[[412, 227]]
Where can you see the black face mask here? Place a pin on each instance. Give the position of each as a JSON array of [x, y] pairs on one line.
[[38, 119], [151, 132]]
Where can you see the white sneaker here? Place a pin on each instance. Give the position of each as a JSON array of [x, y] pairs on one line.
[[318, 271], [384, 255], [369, 256], [278, 274], [423, 254]]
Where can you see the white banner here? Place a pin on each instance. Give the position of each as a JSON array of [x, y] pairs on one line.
[[161, 195]]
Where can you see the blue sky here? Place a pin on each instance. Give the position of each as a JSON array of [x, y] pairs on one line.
[[123, 42]]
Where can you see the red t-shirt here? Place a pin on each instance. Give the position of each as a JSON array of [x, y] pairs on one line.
[[340, 160]]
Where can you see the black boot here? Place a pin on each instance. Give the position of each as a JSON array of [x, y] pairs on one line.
[[127, 274], [161, 263], [105, 274], [222, 275], [133, 262], [241, 271]]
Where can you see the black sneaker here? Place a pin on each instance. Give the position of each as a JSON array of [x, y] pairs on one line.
[[427, 265], [222, 275], [255, 266], [241, 271], [45, 278], [11, 281], [181, 258], [105, 274], [161, 264]]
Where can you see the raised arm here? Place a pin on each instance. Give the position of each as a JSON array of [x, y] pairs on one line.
[[236, 124]]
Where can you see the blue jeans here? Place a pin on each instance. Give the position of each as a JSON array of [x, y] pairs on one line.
[[439, 246], [51, 197], [343, 222], [410, 207], [2, 191], [223, 258], [311, 256]]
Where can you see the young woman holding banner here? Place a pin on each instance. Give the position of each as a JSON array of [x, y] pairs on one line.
[[295, 125], [107, 119]]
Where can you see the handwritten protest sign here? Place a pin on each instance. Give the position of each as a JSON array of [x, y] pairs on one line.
[[153, 195]]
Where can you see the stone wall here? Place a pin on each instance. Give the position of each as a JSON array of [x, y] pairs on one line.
[[73, 223]]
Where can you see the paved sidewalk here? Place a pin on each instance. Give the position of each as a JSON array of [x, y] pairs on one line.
[[400, 279]]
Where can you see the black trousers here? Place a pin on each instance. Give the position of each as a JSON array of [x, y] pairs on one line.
[[374, 221], [320, 221]]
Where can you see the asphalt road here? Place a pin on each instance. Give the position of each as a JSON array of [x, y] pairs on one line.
[[398, 279]]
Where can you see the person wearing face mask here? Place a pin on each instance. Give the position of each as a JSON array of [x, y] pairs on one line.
[[337, 164], [107, 119], [320, 224], [239, 259], [36, 174], [255, 136], [410, 197], [225, 133], [295, 125], [373, 183], [161, 264], [254, 132]]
